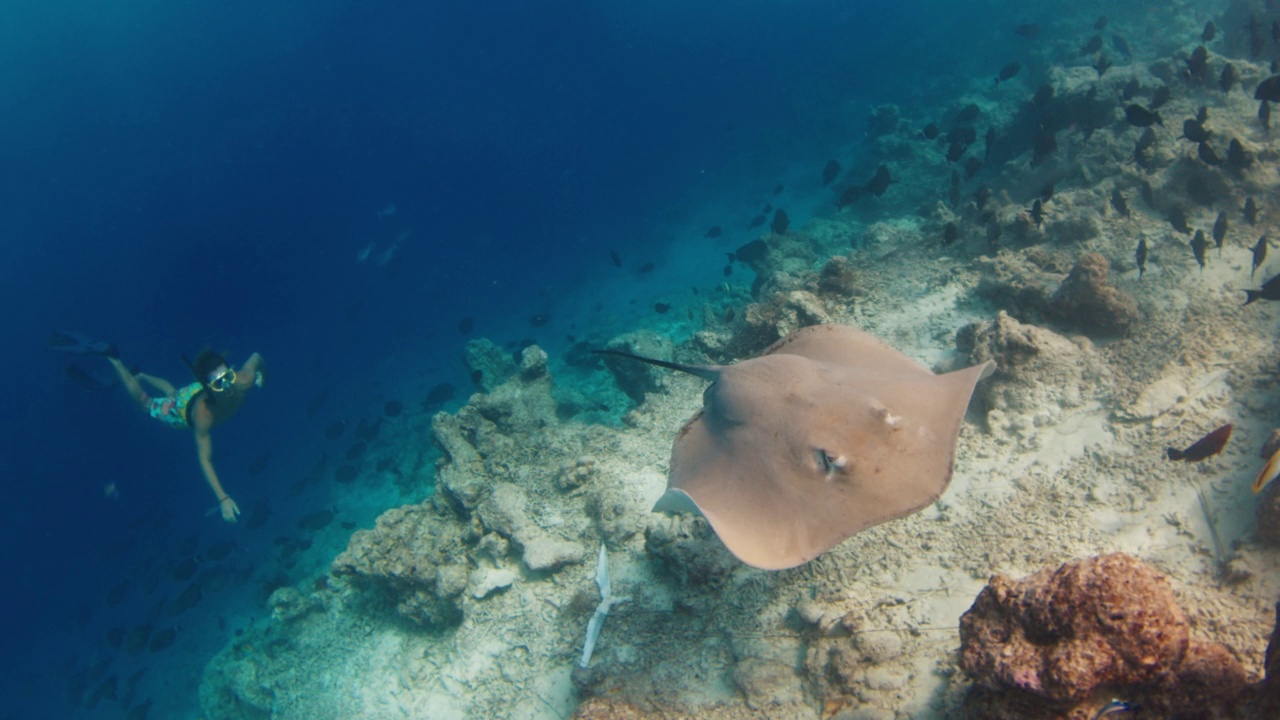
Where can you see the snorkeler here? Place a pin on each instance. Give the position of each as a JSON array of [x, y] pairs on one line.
[[216, 395]]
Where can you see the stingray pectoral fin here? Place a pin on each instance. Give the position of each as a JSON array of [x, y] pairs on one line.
[[676, 501]]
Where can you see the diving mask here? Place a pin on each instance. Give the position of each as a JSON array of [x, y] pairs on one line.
[[223, 380]]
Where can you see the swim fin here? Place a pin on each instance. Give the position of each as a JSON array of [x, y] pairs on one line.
[[91, 381], [78, 344]]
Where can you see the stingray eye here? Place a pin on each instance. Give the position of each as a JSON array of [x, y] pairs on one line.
[[829, 463]]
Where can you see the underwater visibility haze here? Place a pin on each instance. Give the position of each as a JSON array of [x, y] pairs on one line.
[[813, 359]]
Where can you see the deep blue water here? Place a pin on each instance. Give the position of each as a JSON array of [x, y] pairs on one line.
[[180, 174]]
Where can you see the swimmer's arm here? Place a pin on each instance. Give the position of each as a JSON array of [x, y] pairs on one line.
[[248, 372], [204, 451]]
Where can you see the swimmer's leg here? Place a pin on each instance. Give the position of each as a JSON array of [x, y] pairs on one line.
[[131, 384]]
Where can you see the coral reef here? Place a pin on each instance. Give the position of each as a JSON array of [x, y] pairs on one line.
[[637, 379], [490, 365], [1086, 301], [1040, 375], [1044, 646]]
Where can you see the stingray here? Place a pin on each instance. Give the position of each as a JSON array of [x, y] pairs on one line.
[[829, 432]]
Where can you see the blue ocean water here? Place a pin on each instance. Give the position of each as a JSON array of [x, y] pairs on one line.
[[336, 185]]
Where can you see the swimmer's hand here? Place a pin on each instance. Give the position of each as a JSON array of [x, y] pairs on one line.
[[258, 380], [229, 509]]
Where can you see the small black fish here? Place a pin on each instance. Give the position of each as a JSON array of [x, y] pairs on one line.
[[962, 135], [1229, 77], [1141, 257], [713, 232], [1264, 115], [1208, 155], [1130, 90], [613, 256], [1259, 255], [757, 221], [1146, 140], [968, 113], [1205, 447], [1043, 95], [831, 171], [1122, 45], [1037, 212], [539, 320], [1139, 116], [1220, 230], [1160, 97], [1198, 245], [768, 208], [780, 222], [162, 639], [1198, 63], [981, 196], [879, 182], [1093, 46], [1251, 211], [1209, 33], [1046, 192], [988, 142], [1100, 23], [955, 151], [1119, 203], [929, 132], [315, 521], [646, 268], [971, 167], [1027, 30], [1237, 157], [950, 233], [851, 195], [1270, 289], [1202, 115], [661, 308], [1101, 64], [1194, 131], [728, 270], [955, 189], [777, 189], [316, 403], [1268, 89], [1008, 71]]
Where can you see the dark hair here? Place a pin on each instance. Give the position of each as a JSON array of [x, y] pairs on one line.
[[206, 362]]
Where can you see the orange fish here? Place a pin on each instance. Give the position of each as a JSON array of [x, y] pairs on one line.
[[1269, 472]]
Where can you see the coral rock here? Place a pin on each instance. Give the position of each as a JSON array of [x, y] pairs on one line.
[[490, 365], [1086, 301], [1041, 647], [414, 557], [634, 378]]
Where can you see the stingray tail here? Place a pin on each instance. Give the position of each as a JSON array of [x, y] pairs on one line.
[[706, 372]]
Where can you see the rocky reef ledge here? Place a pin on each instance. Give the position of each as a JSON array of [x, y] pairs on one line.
[[1061, 643]]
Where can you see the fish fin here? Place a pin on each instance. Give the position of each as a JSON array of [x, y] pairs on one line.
[[1174, 453], [1250, 296]]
